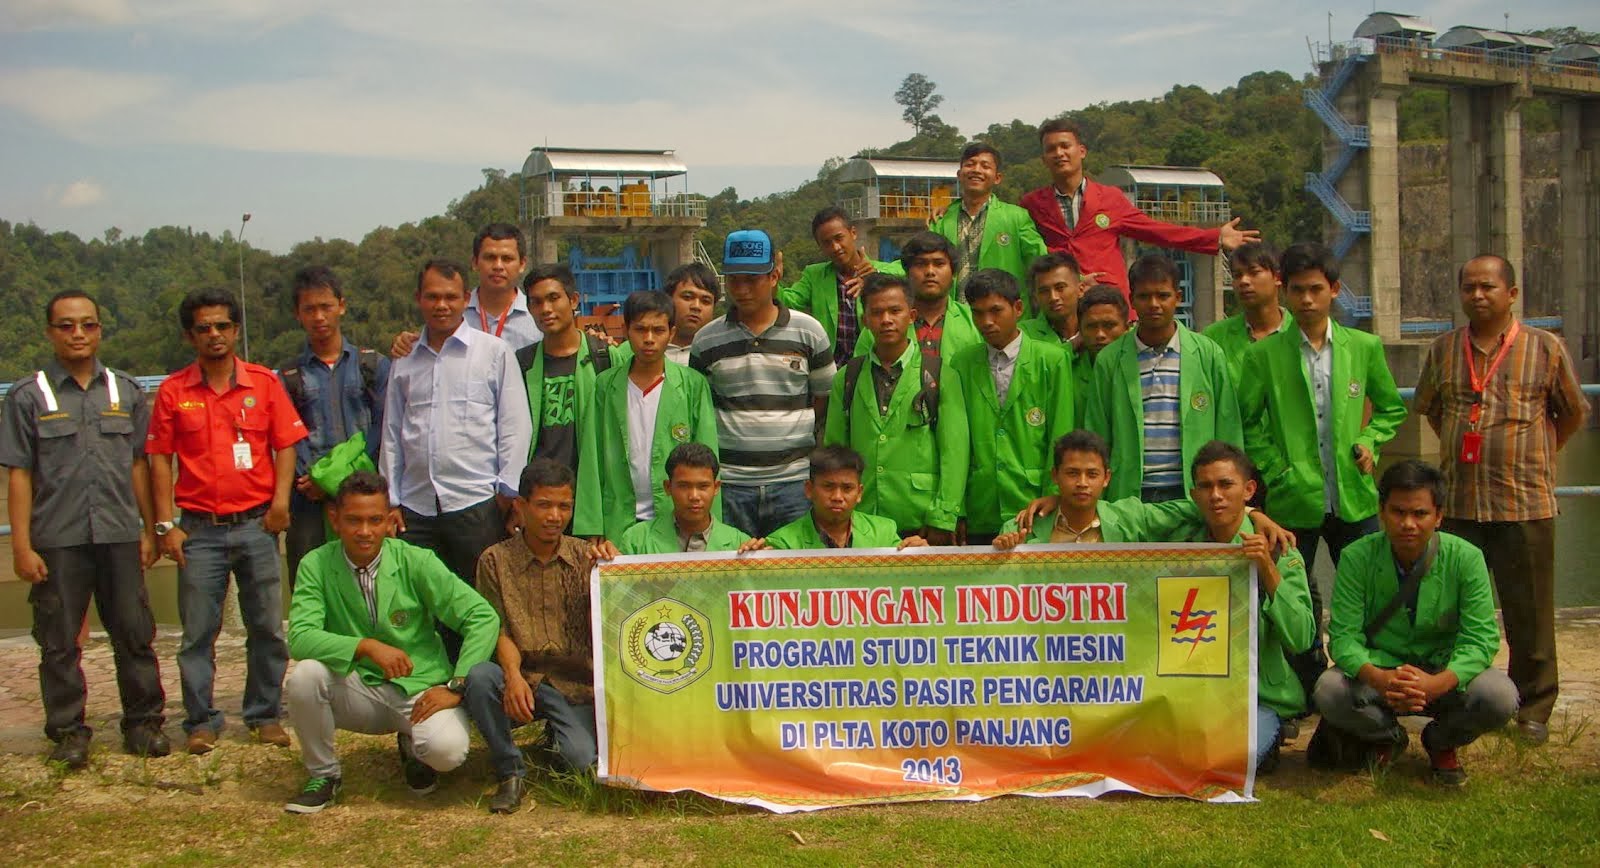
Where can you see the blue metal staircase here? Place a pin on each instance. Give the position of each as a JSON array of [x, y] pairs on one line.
[[1325, 184]]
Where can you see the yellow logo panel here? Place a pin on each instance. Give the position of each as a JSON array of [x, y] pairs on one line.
[[1193, 614]]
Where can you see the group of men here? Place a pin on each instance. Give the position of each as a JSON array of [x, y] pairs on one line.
[[443, 505]]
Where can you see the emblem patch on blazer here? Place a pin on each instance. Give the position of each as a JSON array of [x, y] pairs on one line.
[[1355, 389], [398, 618], [1200, 402], [680, 433], [1103, 220], [1003, 239], [1035, 416]]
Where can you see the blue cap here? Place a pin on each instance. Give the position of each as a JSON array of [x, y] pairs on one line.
[[747, 251]]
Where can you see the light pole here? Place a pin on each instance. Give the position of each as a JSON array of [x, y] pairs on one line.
[[244, 316]]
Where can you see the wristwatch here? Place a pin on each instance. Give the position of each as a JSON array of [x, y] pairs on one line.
[[456, 685], [163, 528]]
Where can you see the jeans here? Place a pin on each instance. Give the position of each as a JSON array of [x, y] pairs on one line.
[[251, 555], [307, 530], [458, 538], [1459, 716], [111, 575], [758, 510], [570, 727], [321, 702], [1267, 724], [1336, 533]]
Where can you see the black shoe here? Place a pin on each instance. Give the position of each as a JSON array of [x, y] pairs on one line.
[[317, 794], [147, 740], [1533, 732], [1288, 731], [72, 749], [1269, 763], [508, 796], [420, 777]]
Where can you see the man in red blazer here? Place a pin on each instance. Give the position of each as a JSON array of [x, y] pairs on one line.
[[1100, 214]]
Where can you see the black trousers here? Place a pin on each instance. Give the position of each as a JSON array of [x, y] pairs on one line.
[[109, 574], [1336, 533], [458, 538], [307, 530]]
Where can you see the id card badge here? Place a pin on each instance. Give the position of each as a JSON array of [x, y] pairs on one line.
[[1471, 447], [241, 455]]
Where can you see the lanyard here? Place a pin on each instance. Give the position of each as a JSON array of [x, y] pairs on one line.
[[500, 324], [50, 404], [1478, 384]]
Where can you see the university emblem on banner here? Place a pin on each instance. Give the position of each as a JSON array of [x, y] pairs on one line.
[[1193, 614], [666, 645]]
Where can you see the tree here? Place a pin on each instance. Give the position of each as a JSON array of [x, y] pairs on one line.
[[916, 93]]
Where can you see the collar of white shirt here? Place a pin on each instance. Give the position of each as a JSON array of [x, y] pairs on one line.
[[1009, 354], [1172, 345]]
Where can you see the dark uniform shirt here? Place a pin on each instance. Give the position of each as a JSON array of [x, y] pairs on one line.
[[81, 455]]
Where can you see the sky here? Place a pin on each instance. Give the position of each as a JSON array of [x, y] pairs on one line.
[[327, 119]]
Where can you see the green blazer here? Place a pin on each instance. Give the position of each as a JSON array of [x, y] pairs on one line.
[[1208, 409], [1012, 446], [1454, 626], [1010, 241], [915, 475], [1129, 520], [1233, 336], [1284, 626], [1039, 328], [866, 532], [659, 536], [586, 518], [685, 415], [959, 332], [1281, 423], [817, 293], [328, 615]]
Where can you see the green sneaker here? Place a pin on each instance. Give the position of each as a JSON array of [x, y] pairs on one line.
[[317, 794]]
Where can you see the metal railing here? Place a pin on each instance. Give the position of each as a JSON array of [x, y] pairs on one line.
[[628, 202], [903, 206], [1205, 213], [1511, 57]]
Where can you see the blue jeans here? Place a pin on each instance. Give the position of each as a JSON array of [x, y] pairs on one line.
[[1267, 724], [570, 727], [758, 510], [251, 555]]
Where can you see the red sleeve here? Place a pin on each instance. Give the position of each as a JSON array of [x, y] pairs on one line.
[[287, 429], [1136, 224], [158, 441]]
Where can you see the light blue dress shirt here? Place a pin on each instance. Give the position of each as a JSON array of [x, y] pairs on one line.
[[520, 329], [456, 424], [1318, 367]]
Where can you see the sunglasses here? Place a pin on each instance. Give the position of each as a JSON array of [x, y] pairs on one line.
[[205, 328], [68, 328]]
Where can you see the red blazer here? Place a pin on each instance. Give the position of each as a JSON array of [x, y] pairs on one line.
[[1095, 245]]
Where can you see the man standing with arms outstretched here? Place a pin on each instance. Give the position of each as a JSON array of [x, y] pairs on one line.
[[233, 430], [1087, 219], [1503, 398], [73, 436]]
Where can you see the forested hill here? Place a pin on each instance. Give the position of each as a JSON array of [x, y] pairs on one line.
[[1256, 135]]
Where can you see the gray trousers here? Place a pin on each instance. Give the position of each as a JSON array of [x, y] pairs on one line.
[[1459, 716], [321, 702]]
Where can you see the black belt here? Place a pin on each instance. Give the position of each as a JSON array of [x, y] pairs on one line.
[[227, 518]]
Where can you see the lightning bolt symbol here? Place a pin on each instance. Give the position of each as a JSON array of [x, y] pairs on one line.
[[1185, 623]]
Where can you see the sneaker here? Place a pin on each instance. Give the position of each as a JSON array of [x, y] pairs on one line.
[[420, 777], [201, 741], [271, 733], [318, 793], [146, 739], [1447, 770], [72, 749], [508, 795]]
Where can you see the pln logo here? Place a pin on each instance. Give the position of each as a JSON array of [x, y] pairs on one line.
[[666, 645], [1193, 614]]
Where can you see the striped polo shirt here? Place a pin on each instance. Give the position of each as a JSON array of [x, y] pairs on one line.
[[763, 387], [1163, 430]]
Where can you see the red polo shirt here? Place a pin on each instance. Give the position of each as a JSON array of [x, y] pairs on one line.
[[200, 427]]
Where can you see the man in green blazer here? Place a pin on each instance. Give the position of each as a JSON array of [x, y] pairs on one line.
[[692, 524], [361, 627], [1224, 480], [1433, 653], [645, 397], [1160, 392], [1018, 392], [905, 418], [833, 522], [940, 322], [1102, 318], [1055, 287], [987, 232], [560, 371], [1257, 283], [828, 290]]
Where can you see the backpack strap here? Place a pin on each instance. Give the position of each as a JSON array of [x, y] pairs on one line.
[[927, 398], [294, 382], [852, 376], [599, 352], [1407, 591], [368, 361]]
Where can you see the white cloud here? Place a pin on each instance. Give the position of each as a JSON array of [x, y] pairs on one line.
[[81, 193], [63, 14], [70, 99]]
